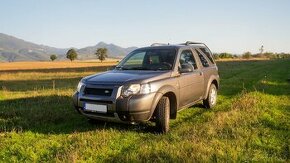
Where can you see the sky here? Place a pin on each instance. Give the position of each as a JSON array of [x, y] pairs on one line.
[[224, 25]]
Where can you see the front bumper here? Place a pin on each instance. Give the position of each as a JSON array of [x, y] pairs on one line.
[[137, 108]]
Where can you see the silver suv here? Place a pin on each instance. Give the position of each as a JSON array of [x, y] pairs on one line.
[[151, 83]]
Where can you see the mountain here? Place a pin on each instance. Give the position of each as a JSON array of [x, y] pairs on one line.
[[15, 49], [114, 51]]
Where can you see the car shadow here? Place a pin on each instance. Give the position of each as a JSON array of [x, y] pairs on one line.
[[55, 115]]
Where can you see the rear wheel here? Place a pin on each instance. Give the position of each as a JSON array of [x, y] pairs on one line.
[[162, 115], [211, 99]]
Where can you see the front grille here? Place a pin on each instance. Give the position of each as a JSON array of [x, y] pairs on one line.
[[98, 91]]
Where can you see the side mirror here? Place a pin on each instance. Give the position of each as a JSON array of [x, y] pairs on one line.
[[185, 68]]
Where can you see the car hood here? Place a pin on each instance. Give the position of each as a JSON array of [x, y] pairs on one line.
[[121, 77]]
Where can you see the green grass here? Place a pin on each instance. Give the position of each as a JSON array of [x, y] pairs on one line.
[[251, 121]]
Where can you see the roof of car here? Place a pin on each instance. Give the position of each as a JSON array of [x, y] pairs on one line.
[[175, 46]]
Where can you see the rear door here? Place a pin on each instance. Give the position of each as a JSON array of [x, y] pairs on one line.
[[191, 84]]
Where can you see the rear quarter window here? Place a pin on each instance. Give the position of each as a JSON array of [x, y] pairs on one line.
[[207, 54], [202, 59]]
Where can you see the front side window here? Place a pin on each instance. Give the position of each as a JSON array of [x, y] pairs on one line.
[[149, 59], [186, 56]]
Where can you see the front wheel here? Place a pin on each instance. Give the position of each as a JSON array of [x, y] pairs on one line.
[[162, 115], [211, 99]]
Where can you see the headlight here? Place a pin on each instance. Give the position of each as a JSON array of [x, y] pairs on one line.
[[80, 85], [135, 89], [145, 89]]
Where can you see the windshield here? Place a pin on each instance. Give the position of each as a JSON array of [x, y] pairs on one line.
[[149, 59]]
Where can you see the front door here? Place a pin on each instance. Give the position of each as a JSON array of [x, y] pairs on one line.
[[191, 84]]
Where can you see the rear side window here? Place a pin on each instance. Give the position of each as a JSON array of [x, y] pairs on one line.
[[207, 53], [203, 61]]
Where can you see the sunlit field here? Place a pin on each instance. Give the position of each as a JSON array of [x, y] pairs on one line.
[[55, 64], [251, 121]]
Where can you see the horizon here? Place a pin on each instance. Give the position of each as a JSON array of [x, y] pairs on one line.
[[225, 26]]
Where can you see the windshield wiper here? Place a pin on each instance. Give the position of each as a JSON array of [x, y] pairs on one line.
[[131, 68]]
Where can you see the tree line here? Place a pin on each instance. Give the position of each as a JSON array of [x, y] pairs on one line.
[[249, 55], [101, 53]]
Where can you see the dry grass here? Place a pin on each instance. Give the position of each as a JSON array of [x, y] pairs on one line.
[[52, 65], [242, 59]]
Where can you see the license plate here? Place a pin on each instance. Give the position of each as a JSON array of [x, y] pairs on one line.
[[96, 108]]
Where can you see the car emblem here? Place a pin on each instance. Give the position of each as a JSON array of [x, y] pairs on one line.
[[106, 91]]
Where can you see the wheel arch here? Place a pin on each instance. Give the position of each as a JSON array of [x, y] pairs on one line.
[[171, 93], [173, 104], [213, 80]]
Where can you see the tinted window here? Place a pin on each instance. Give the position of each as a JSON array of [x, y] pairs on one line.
[[208, 54], [149, 59], [186, 56], [202, 59], [135, 60]]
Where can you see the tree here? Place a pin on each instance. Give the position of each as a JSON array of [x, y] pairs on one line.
[[71, 54], [101, 53], [216, 56], [247, 55], [53, 57], [269, 55], [225, 55]]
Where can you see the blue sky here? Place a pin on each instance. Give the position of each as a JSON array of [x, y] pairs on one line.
[[225, 25]]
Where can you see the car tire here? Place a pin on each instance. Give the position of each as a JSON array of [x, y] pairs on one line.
[[162, 115], [211, 99]]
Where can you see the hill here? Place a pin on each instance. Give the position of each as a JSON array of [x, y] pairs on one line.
[[114, 51], [15, 49]]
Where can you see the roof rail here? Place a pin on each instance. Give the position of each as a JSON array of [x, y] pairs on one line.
[[190, 42], [159, 44]]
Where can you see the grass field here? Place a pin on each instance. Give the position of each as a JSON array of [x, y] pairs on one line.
[[251, 121], [54, 65]]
